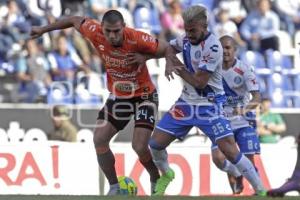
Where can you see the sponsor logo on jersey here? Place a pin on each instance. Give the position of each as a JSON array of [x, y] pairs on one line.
[[131, 42], [126, 86], [239, 71], [176, 112], [92, 28], [101, 47], [214, 48], [148, 38], [117, 53]]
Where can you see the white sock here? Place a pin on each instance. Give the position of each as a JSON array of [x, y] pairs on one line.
[[115, 186], [160, 158], [231, 169], [113, 189], [248, 171]]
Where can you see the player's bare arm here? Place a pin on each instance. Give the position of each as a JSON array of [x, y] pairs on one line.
[[66, 22], [142, 58], [163, 50], [198, 80], [252, 105]]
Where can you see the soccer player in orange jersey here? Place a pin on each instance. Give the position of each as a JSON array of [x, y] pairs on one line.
[[132, 92]]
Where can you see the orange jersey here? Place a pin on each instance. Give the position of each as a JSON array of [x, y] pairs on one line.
[[123, 79]]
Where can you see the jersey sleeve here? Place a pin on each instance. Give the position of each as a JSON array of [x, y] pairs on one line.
[[89, 28], [146, 43], [211, 57], [177, 43], [250, 79]]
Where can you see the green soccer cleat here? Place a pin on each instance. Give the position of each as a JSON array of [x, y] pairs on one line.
[[163, 182], [261, 193]]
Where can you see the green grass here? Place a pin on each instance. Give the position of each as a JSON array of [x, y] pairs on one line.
[[67, 197]]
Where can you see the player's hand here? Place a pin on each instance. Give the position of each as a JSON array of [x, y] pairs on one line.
[[36, 32], [171, 68], [136, 59]]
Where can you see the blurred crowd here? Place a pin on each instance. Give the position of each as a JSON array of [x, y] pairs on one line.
[[62, 66]]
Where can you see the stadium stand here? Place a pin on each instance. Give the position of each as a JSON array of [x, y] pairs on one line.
[[271, 67]]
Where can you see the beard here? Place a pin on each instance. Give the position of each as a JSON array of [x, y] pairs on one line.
[[197, 41]]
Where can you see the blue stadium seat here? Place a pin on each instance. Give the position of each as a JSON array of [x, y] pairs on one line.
[[253, 58], [296, 100], [278, 62], [61, 92], [256, 60], [297, 91], [280, 87], [88, 99], [147, 18], [262, 83]]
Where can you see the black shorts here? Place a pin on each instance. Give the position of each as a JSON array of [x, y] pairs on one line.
[[119, 111]]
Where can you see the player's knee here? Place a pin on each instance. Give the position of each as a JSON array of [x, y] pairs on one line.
[[139, 148], [230, 154], [218, 161], [228, 148], [154, 145], [100, 141]]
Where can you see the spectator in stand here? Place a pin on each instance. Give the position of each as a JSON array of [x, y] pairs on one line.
[[227, 27], [64, 129], [208, 4], [260, 27], [172, 21], [289, 12], [269, 125], [63, 63], [73, 7], [99, 7], [77, 44], [32, 71], [236, 10], [43, 11], [14, 26]]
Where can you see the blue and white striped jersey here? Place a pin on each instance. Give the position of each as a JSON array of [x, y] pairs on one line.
[[238, 82], [206, 56]]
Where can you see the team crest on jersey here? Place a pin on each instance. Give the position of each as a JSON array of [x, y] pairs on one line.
[[237, 80], [198, 54]]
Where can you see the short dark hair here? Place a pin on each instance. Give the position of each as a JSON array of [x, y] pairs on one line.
[[112, 16], [231, 39]]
